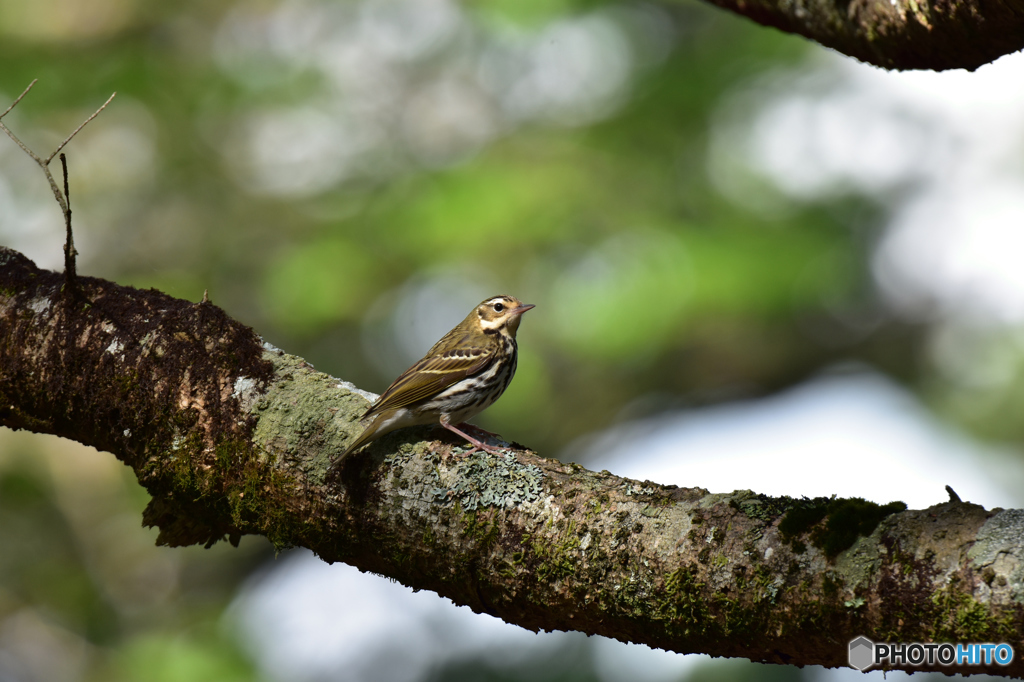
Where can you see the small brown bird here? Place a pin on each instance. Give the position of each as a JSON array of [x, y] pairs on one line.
[[458, 378]]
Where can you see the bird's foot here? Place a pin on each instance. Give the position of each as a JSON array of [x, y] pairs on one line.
[[481, 446], [477, 444]]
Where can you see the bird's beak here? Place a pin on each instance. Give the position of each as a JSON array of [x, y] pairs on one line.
[[522, 309]]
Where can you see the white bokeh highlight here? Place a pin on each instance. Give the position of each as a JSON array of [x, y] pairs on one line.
[[402, 84], [851, 435], [942, 152]]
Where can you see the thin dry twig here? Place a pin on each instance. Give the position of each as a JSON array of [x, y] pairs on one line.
[[23, 93], [62, 197], [84, 123]]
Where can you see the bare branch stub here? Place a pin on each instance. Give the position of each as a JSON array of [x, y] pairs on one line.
[[62, 198], [69, 244]]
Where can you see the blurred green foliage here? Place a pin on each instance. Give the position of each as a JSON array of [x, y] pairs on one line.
[[648, 281], [613, 228], [176, 657], [85, 594]]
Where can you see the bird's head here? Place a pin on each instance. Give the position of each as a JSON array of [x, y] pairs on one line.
[[501, 314]]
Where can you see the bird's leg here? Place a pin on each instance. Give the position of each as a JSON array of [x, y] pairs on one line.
[[477, 445], [474, 427]]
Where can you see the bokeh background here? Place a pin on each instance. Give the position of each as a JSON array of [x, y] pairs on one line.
[[756, 264]]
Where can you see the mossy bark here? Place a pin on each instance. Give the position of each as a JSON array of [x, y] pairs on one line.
[[231, 436], [899, 34]]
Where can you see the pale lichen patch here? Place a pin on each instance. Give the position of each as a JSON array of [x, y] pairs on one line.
[[243, 385], [303, 417], [997, 547], [39, 305], [352, 388], [486, 480]]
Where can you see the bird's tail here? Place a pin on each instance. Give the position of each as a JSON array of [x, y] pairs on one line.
[[381, 423], [368, 434]]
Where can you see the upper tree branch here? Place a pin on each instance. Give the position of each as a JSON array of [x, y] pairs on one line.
[[231, 436], [899, 34]]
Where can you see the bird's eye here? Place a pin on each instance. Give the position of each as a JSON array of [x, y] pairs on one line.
[[498, 307]]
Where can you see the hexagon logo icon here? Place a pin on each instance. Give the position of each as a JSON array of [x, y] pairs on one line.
[[862, 653]]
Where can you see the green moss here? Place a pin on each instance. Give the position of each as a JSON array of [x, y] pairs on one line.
[[239, 493], [961, 618], [802, 516], [845, 520], [558, 560], [254, 490], [684, 603], [849, 519], [763, 585], [485, 530], [429, 538], [557, 564], [692, 611], [183, 472], [830, 587], [761, 507]]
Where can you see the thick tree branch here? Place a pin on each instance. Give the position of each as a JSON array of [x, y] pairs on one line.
[[899, 34], [231, 436]]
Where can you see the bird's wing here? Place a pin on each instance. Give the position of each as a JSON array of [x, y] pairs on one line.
[[430, 376]]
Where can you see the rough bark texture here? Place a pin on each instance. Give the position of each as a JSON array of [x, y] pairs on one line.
[[232, 436], [899, 34]]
